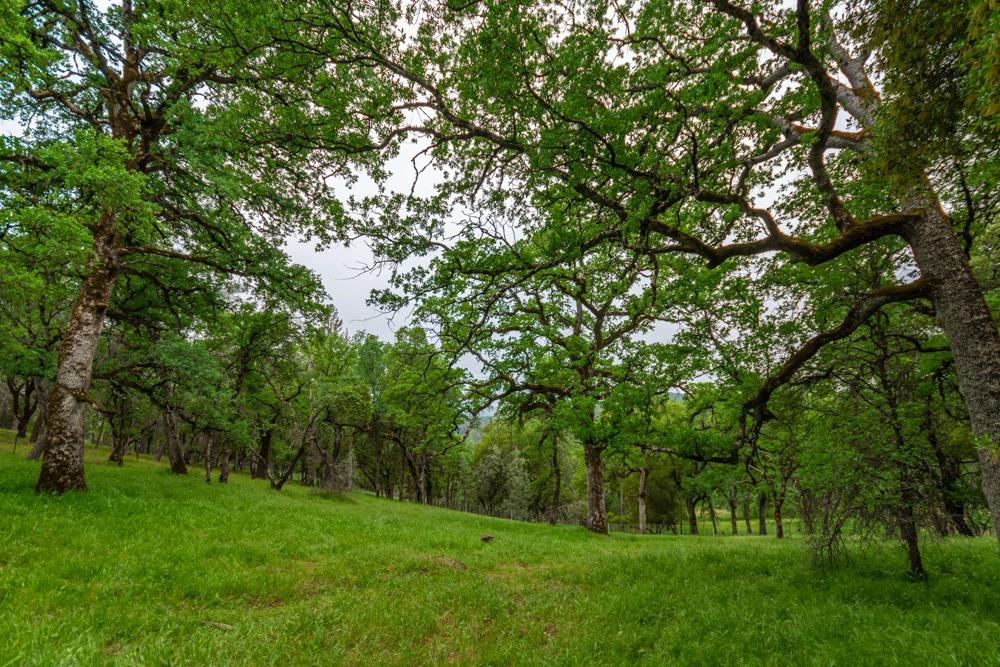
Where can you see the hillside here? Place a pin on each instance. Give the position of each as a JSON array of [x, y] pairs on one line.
[[148, 568]]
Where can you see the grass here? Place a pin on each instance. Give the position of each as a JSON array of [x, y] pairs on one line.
[[147, 568]]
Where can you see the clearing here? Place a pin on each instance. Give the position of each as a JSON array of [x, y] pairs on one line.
[[148, 568]]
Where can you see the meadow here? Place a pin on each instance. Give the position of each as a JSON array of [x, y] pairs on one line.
[[148, 568]]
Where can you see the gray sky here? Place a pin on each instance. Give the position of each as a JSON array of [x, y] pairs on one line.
[[340, 268], [344, 270]]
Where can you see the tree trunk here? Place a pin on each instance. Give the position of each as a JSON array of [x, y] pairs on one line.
[[908, 528], [62, 461], [947, 475], [961, 311], [643, 474], [779, 529], [417, 478], [264, 457], [807, 508], [557, 492], [762, 513], [746, 514], [43, 411], [224, 464], [24, 418], [692, 511], [734, 524], [117, 453], [23, 406], [173, 441], [597, 519], [955, 510], [208, 459], [40, 436], [713, 516]]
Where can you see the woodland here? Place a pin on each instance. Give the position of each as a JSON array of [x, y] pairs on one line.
[[706, 268]]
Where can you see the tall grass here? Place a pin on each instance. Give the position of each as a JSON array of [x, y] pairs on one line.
[[148, 568]]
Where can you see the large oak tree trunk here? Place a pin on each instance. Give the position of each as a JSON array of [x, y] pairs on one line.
[[597, 517], [62, 462], [962, 313]]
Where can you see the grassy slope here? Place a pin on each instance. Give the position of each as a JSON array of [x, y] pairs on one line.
[[146, 568]]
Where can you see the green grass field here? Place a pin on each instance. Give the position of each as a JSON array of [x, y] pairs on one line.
[[147, 568]]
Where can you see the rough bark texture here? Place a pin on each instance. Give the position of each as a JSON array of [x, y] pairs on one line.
[[173, 442], [597, 517], [62, 463], [962, 313]]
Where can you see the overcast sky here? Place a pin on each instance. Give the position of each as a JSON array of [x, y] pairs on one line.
[[345, 270], [340, 269]]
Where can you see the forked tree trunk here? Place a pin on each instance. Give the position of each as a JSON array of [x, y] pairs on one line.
[[24, 418], [597, 516], [62, 462], [962, 313], [118, 443]]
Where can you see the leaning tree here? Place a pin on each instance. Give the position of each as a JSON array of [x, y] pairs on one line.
[[165, 131]]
